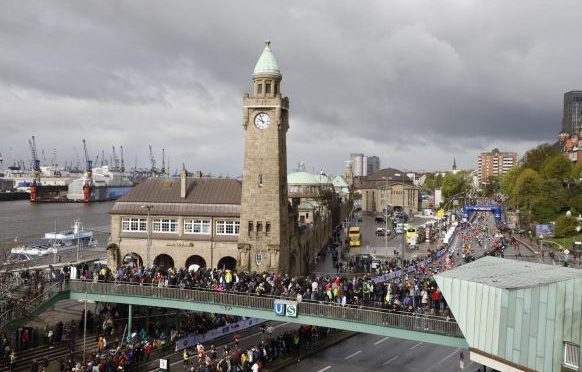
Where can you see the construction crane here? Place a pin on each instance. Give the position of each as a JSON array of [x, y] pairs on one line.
[[35, 168], [96, 161], [153, 161], [122, 161], [115, 158], [88, 179], [163, 171], [1, 159], [103, 160]]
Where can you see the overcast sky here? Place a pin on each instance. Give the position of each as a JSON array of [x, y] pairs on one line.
[[414, 82]]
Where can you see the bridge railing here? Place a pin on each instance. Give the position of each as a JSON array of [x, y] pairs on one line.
[[25, 307], [355, 314]]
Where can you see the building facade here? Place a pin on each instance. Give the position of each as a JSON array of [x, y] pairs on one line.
[[359, 164], [373, 164], [494, 164], [572, 116], [571, 146], [388, 187], [261, 223]]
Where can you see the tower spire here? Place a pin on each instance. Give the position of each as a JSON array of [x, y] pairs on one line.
[[454, 163]]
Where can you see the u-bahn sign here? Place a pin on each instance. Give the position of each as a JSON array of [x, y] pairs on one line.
[[285, 308]]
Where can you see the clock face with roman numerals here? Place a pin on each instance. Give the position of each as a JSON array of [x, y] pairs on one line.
[[262, 120]]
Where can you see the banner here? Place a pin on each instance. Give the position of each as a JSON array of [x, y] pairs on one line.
[[545, 230], [396, 274], [192, 339]]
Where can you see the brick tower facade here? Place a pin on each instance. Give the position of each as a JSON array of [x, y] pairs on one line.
[[264, 211]]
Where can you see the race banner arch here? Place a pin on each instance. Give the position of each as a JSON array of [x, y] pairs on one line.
[[468, 210]]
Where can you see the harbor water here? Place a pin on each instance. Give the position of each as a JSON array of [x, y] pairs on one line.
[[25, 222]]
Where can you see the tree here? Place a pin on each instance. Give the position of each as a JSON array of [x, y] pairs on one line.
[[527, 188], [492, 186], [454, 184], [557, 167], [551, 202], [576, 173], [534, 158], [508, 181], [565, 226]]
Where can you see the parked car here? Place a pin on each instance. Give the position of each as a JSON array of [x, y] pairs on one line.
[[380, 231], [380, 219]]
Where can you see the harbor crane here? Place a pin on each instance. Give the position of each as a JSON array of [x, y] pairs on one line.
[[115, 158], [122, 161], [35, 168], [88, 178], [103, 160], [163, 171], [153, 161]]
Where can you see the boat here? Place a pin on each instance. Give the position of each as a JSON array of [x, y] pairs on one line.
[[103, 184], [54, 242]]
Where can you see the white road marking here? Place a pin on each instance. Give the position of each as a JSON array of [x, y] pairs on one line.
[[447, 357], [415, 346], [324, 369], [396, 357], [381, 340], [353, 355]]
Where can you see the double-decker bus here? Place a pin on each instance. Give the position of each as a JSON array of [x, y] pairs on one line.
[[415, 235], [354, 236]]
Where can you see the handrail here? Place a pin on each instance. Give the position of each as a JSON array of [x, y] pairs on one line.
[[30, 305], [288, 298], [321, 310]]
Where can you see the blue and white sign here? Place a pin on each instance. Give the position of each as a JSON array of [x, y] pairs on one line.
[[279, 309], [285, 308]]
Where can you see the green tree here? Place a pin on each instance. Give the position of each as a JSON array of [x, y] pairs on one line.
[[492, 186], [557, 167], [534, 158], [565, 226], [428, 183], [454, 184], [551, 202], [576, 173], [507, 182], [527, 188]]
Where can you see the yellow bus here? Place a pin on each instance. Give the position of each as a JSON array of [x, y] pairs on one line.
[[415, 235], [354, 236]]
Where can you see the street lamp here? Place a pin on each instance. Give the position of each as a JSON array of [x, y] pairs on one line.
[[386, 217], [148, 232], [403, 232]]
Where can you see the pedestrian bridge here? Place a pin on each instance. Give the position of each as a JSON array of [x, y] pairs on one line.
[[352, 318]]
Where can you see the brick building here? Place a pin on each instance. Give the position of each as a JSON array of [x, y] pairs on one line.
[[494, 164]]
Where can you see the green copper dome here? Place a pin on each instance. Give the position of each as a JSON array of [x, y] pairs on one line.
[[267, 64]]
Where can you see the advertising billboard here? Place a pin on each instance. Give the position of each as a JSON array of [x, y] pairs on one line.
[[545, 230]]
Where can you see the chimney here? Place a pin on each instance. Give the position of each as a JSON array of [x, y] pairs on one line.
[[183, 182]]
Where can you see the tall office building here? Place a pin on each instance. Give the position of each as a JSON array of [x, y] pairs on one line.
[[494, 163], [373, 164], [572, 117], [359, 164]]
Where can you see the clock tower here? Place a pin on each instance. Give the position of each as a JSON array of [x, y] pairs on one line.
[[264, 213]]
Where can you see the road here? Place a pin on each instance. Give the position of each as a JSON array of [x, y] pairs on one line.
[[375, 353]]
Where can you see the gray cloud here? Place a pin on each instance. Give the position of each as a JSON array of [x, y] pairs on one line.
[[414, 82]]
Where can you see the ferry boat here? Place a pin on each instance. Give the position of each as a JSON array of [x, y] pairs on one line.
[[54, 242]]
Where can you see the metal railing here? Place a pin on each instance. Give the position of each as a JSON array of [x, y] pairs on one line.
[[353, 314], [23, 310]]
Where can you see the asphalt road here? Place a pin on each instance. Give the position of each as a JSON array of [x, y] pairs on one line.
[[375, 353]]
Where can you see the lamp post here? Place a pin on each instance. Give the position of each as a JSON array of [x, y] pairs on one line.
[[148, 232], [386, 217]]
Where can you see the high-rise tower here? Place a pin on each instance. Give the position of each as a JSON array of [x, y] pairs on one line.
[[264, 214]]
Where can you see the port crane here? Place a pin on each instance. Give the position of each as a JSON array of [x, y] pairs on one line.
[[35, 168], [115, 158], [122, 161], [88, 179], [153, 162], [163, 171]]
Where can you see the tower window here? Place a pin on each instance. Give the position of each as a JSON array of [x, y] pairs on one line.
[[260, 180], [260, 88], [267, 88], [250, 226], [276, 87], [259, 227], [267, 228]]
